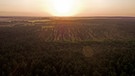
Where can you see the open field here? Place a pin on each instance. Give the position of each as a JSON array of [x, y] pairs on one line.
[[39, 46]]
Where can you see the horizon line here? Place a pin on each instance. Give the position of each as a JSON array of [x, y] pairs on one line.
[[74, 16]]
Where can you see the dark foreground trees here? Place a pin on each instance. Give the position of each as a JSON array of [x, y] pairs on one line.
[[68, 59]]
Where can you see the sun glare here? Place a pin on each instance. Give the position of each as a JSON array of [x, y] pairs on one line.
[[63, 7]]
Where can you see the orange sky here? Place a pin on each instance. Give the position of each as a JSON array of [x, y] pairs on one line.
[[90, 8]]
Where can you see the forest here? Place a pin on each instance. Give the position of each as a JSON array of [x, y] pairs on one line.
[[47, 46]]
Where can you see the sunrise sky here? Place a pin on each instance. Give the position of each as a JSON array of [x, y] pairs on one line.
[[67, 8]]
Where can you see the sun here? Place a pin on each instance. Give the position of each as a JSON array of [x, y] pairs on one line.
[[63, 7]]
